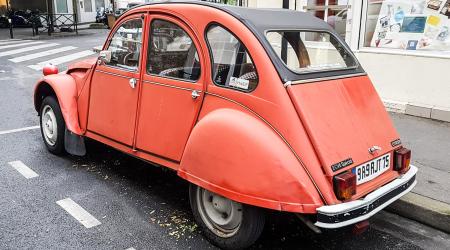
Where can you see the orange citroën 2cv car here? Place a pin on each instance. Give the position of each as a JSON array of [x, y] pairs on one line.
[[257, 109]]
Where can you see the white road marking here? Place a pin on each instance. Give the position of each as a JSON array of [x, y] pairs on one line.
[[62, 59], [4, 42], [19, 45], [23, 169], [81, 215], [41, 54], [4, 132], [17, 51], [131, 248]]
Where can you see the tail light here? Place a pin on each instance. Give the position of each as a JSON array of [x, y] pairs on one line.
[[344, 185], [402, 160]]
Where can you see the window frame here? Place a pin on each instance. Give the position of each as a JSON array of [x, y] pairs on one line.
[[140, 17], [211, 57], [165, 19], [356, 66]]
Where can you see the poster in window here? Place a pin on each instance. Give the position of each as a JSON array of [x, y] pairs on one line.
[[403, 22], [446, 9], [434, 4]]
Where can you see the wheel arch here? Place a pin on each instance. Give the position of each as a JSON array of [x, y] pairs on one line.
[[237, 155], [63, 87]]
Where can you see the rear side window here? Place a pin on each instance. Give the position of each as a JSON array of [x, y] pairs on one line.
[[172, 52], [232, 65], [310, 51]]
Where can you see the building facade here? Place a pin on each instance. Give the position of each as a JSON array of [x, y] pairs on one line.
[[404, 45], [85, 9]]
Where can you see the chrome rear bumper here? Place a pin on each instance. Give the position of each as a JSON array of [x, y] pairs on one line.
[[344, 214]]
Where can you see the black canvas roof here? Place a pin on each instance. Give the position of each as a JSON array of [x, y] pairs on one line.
[[260, 20]]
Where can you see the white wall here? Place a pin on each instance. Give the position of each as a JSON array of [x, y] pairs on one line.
[[410, 79], [265, 3]]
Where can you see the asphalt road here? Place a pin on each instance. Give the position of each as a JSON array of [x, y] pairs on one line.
[[139, 206]]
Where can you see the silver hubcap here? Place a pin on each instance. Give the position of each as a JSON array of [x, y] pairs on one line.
[[221, 215], [49, 126]]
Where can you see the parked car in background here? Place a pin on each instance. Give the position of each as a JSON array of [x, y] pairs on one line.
[[119, 12], [258, 109]]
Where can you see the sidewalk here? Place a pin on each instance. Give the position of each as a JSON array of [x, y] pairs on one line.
[[27, 33], [429, 201]]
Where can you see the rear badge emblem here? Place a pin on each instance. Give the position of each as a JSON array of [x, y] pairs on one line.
[[396, 143], [342, 164], [374, 149]]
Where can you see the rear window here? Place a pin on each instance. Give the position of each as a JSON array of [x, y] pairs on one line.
[[310, 51]]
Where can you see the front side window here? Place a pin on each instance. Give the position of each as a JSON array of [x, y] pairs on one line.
[[172, 52], [126, 45], [232, 65], [310, 51]]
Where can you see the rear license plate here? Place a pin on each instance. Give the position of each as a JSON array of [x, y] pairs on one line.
[[370, 170]]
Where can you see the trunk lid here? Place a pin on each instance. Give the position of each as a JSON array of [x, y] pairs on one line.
[[344, 118]]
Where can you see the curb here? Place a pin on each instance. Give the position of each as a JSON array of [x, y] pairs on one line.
[[419, 110], [424, 210]]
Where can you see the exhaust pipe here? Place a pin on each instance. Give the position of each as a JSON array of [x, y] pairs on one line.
[[309, 223]]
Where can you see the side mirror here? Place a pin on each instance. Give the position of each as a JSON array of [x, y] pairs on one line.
[[104, 57]]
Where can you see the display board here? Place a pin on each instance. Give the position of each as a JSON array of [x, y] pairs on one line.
[[413, 25]]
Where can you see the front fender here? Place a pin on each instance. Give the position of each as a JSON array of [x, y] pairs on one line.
[[64, 88], [239, 156]]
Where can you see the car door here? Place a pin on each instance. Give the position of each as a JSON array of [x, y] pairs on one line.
[[114, 87], [172, 88]]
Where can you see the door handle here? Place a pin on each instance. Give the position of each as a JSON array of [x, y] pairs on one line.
[[195, 94], [133, 83]]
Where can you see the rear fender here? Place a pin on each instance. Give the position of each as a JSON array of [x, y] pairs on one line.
[[63, 86], [237, 155]]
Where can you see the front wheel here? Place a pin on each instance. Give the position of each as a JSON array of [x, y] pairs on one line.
[[226, 223], [52, 125]]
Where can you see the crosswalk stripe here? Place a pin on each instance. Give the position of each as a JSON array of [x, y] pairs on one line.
[[62, 59], [4, 42], [18, 51], [41, 54], [18, 45]]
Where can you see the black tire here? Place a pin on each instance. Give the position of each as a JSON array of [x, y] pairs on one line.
[[250, 229], [58, 147]]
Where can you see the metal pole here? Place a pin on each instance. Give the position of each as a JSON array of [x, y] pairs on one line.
[[76, 22], [284, 45], [10, 28]]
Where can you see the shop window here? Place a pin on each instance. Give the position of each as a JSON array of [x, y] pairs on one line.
[[126, 45], [232, 65], [87, 5], [61, 6], [408, 24], [172, 52], [334, 12]]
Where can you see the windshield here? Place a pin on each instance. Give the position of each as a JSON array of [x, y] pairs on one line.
[[310, 51]]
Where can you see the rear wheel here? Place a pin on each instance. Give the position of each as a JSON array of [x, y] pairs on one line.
[[226, 223], [52, 125]]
